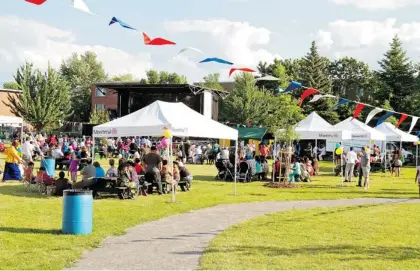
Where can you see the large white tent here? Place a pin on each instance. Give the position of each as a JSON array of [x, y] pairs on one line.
[[8, 120], [394, 134], [315, 127], [359, 130], [153, 119]]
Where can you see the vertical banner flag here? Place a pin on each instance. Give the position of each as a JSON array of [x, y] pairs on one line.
[[306, 94], [341, 101], [413, 123], [293, 85], [358, 110], [402, 119], [384, 118], [373, 113]]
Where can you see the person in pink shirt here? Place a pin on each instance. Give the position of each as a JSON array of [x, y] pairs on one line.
[[74, 163]]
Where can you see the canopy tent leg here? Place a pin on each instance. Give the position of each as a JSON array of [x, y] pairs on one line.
[[274, 158], [417, 153], [171, 164], [236, 166], [93, 148]]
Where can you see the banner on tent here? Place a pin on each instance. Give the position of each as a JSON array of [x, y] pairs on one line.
[[105, 132], [328, 135]]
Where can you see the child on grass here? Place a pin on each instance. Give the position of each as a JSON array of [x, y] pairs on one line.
[[74, 163]]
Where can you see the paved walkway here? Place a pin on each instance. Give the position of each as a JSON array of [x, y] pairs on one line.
[[177, 242]]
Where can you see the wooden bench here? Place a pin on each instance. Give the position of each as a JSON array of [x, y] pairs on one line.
[[109, 186], [183, 184]]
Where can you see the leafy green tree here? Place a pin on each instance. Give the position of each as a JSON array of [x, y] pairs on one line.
[[398, 74], [45, 97], [82, 71], [11, 85], [276, 69], [99, 117], [154, 77], [315, 74], [212, 81], [127, 77]]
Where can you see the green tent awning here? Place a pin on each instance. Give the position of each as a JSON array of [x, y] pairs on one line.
[[251, 132]]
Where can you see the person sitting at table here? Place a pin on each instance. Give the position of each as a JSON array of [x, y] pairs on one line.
[[43, 177], [138, 166], [185, 175], [100, 172], [166, 174], [61, 184], [133, 174], [124, 179], [153, 163], [29, 174], [57, 154], [84, 153], [112, 171], [88, 175]]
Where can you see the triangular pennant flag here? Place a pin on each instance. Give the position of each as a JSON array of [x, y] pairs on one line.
[[306, 94], [341, 101], [384, 118], [279, 90], [413, 123], [358, 110], [293, 85], [402, 119], [319, 97], [372, 114]]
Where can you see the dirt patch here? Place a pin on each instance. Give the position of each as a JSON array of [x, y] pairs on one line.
[[281, 185]]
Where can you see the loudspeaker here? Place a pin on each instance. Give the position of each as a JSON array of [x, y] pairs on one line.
[[87, 129]]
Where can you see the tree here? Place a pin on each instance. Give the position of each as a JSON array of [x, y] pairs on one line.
[[276, 69], [212, 81], [99, 117], [82, 71], [398, 74], [45, 97], [315, 74], [11, 85], [127, 77], [154, 77]]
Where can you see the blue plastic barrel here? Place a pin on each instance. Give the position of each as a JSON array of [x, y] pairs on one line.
[[49, 164], [77, 212]]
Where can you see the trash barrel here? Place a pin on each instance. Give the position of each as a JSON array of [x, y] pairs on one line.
[[77, 212], [49, 164]]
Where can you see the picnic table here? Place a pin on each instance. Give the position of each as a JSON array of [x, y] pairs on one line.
[[109, 185]]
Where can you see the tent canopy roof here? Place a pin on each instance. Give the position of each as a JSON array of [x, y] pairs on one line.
[[359, 130], [154, 118], [394, 134], [10, 120], [315, 127], [251, 132]]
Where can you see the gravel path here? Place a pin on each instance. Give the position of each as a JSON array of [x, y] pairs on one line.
[[177, 242]]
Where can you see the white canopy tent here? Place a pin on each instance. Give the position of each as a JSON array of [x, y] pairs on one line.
[[13, 122], [153, 119], [315, 127], [394, 134], [359, 130]]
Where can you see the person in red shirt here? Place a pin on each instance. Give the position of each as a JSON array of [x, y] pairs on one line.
[[43, 177], [139, 168]]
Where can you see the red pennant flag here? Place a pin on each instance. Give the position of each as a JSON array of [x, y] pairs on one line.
[[306, 94], [240, 69], [358, 110], [36, 2], [402, 119], [156, 41]]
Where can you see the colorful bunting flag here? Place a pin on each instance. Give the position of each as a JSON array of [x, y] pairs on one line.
[[240, 69], [306, 94], [402, 119], [36, 2], [373, 113], [320, 96], [190, 48], [358, 110], [215, 59], [413, 123], [121, 23], [293, 85], [156, 41], [384, 118], [341, 101]]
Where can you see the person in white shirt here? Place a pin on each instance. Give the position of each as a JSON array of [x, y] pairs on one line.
[[27, 150], [351, 159], [198, 153], [224, 154], [322, 153], [315, 152], [57, 153]]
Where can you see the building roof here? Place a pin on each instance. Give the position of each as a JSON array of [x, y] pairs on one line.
[[179, 88], [10, 90]]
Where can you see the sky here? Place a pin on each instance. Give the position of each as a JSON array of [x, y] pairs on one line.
[[241, 31]]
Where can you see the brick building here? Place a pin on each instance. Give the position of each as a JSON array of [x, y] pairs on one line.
[[5, 110]]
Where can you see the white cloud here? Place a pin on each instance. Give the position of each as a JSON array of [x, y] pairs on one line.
[[378, 4], [367, 40], [40, 43], [236, 40]]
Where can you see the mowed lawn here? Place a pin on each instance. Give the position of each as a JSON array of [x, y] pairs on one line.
[[381, 237], [30, 224]]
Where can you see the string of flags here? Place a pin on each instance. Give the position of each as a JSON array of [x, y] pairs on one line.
[[318, 95], [158, 41]]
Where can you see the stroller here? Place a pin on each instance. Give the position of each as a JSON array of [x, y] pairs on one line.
[[224, 170], [244, 172]]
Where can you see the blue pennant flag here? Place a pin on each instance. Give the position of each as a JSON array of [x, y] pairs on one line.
[[216, 59], [116, 20], [341, 101], [279, 90], [293, 85], [384, 118]]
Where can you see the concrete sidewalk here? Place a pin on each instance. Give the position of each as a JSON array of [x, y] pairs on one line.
[[177, 242]]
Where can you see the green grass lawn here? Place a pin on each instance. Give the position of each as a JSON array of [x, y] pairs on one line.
[[30, 223], [366, 237]]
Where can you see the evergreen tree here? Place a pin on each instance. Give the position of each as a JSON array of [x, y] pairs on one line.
[[315, 74], [398, 74], [99, 117], [45, 97]]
